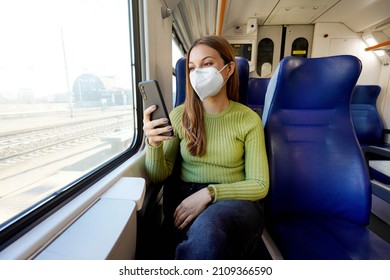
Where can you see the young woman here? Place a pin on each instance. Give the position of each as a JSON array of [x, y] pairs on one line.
[[224, 168]]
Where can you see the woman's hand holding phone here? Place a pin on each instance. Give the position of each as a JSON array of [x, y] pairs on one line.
[[157, 126], [154, 128]]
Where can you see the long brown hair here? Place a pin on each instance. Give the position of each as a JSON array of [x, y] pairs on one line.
[[192, 118]]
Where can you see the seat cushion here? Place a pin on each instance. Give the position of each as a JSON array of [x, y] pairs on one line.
[[325, 239]]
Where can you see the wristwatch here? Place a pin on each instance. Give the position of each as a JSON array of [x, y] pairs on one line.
[[211, 193]]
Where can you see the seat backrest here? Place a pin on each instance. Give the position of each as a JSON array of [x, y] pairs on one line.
[[316, 164], [242, 65], [257, 87], [365, 116], [180, 71]]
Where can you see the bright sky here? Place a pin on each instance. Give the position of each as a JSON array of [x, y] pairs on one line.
[[176, 54], [95, 37]]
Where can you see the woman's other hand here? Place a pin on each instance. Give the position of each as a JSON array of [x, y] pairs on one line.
[[191, 207]]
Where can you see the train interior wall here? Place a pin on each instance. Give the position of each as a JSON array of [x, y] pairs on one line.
[[336, 39], [326, 39]]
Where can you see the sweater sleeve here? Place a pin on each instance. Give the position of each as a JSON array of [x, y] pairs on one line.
[[256, 183]]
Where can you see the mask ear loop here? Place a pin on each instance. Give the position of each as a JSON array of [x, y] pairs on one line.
[[228, 76], [224, 67], [230, 73]]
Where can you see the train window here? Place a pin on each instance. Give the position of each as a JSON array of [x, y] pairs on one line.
[[66, 96], [244, 50], [265, 54], [177, 53], [300, 47]]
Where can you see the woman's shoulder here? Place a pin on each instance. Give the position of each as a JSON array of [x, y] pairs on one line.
[[175, 114], [245, 110], [178, 110]]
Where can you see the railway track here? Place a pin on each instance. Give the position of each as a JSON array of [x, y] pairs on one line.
[[52, 153], [22, 146]]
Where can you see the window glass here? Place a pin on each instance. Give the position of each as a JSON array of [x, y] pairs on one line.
[[300, 47], [265, 54], [66, 98]]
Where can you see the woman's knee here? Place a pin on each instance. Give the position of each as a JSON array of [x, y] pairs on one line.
[[222, 231]]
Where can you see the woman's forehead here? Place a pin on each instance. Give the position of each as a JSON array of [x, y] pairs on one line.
[[201, 52]]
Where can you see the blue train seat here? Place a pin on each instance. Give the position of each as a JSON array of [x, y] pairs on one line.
[[370, 133], [257, 87], [180, 71], [319, 202], [365, 116], [242, 65]]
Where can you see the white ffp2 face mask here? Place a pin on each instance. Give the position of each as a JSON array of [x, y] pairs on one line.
[[207, 81]]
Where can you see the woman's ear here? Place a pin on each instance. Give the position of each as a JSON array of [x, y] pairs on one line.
[[231, 68]]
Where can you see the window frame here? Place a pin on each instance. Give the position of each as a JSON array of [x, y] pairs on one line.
[[23, 222]]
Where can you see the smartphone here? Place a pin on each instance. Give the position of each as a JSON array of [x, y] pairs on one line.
[[151, 95]]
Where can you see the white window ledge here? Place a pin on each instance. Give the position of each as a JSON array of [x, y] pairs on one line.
[[107, 230]]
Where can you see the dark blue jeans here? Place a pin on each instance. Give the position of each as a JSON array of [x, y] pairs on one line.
[[227, 229]]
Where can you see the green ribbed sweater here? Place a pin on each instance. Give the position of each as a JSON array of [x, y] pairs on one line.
[[235, 160]]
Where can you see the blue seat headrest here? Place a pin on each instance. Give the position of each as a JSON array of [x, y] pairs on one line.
[[242, 65], [365, 116], [257, 87], [365, 94], [180, 70]]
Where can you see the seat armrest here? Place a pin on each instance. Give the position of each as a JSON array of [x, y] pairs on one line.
[[386, 135], [379, 189], [271, 246], [375, 153]]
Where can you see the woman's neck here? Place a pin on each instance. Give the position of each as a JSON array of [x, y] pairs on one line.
[[215, 105]]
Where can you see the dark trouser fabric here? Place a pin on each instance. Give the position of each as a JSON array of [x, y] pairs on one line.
[[227, 229]]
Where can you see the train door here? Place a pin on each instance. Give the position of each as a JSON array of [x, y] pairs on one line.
[[269, 43], [276, 42], [298, 40]]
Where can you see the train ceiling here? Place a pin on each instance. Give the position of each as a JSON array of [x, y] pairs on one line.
[[202, 17]]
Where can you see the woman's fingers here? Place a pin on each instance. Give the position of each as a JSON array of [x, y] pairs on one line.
[[183, 217], [148, 111], [153, 129], [191, 207]]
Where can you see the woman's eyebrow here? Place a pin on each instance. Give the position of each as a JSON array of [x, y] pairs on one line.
[[206, 57]]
